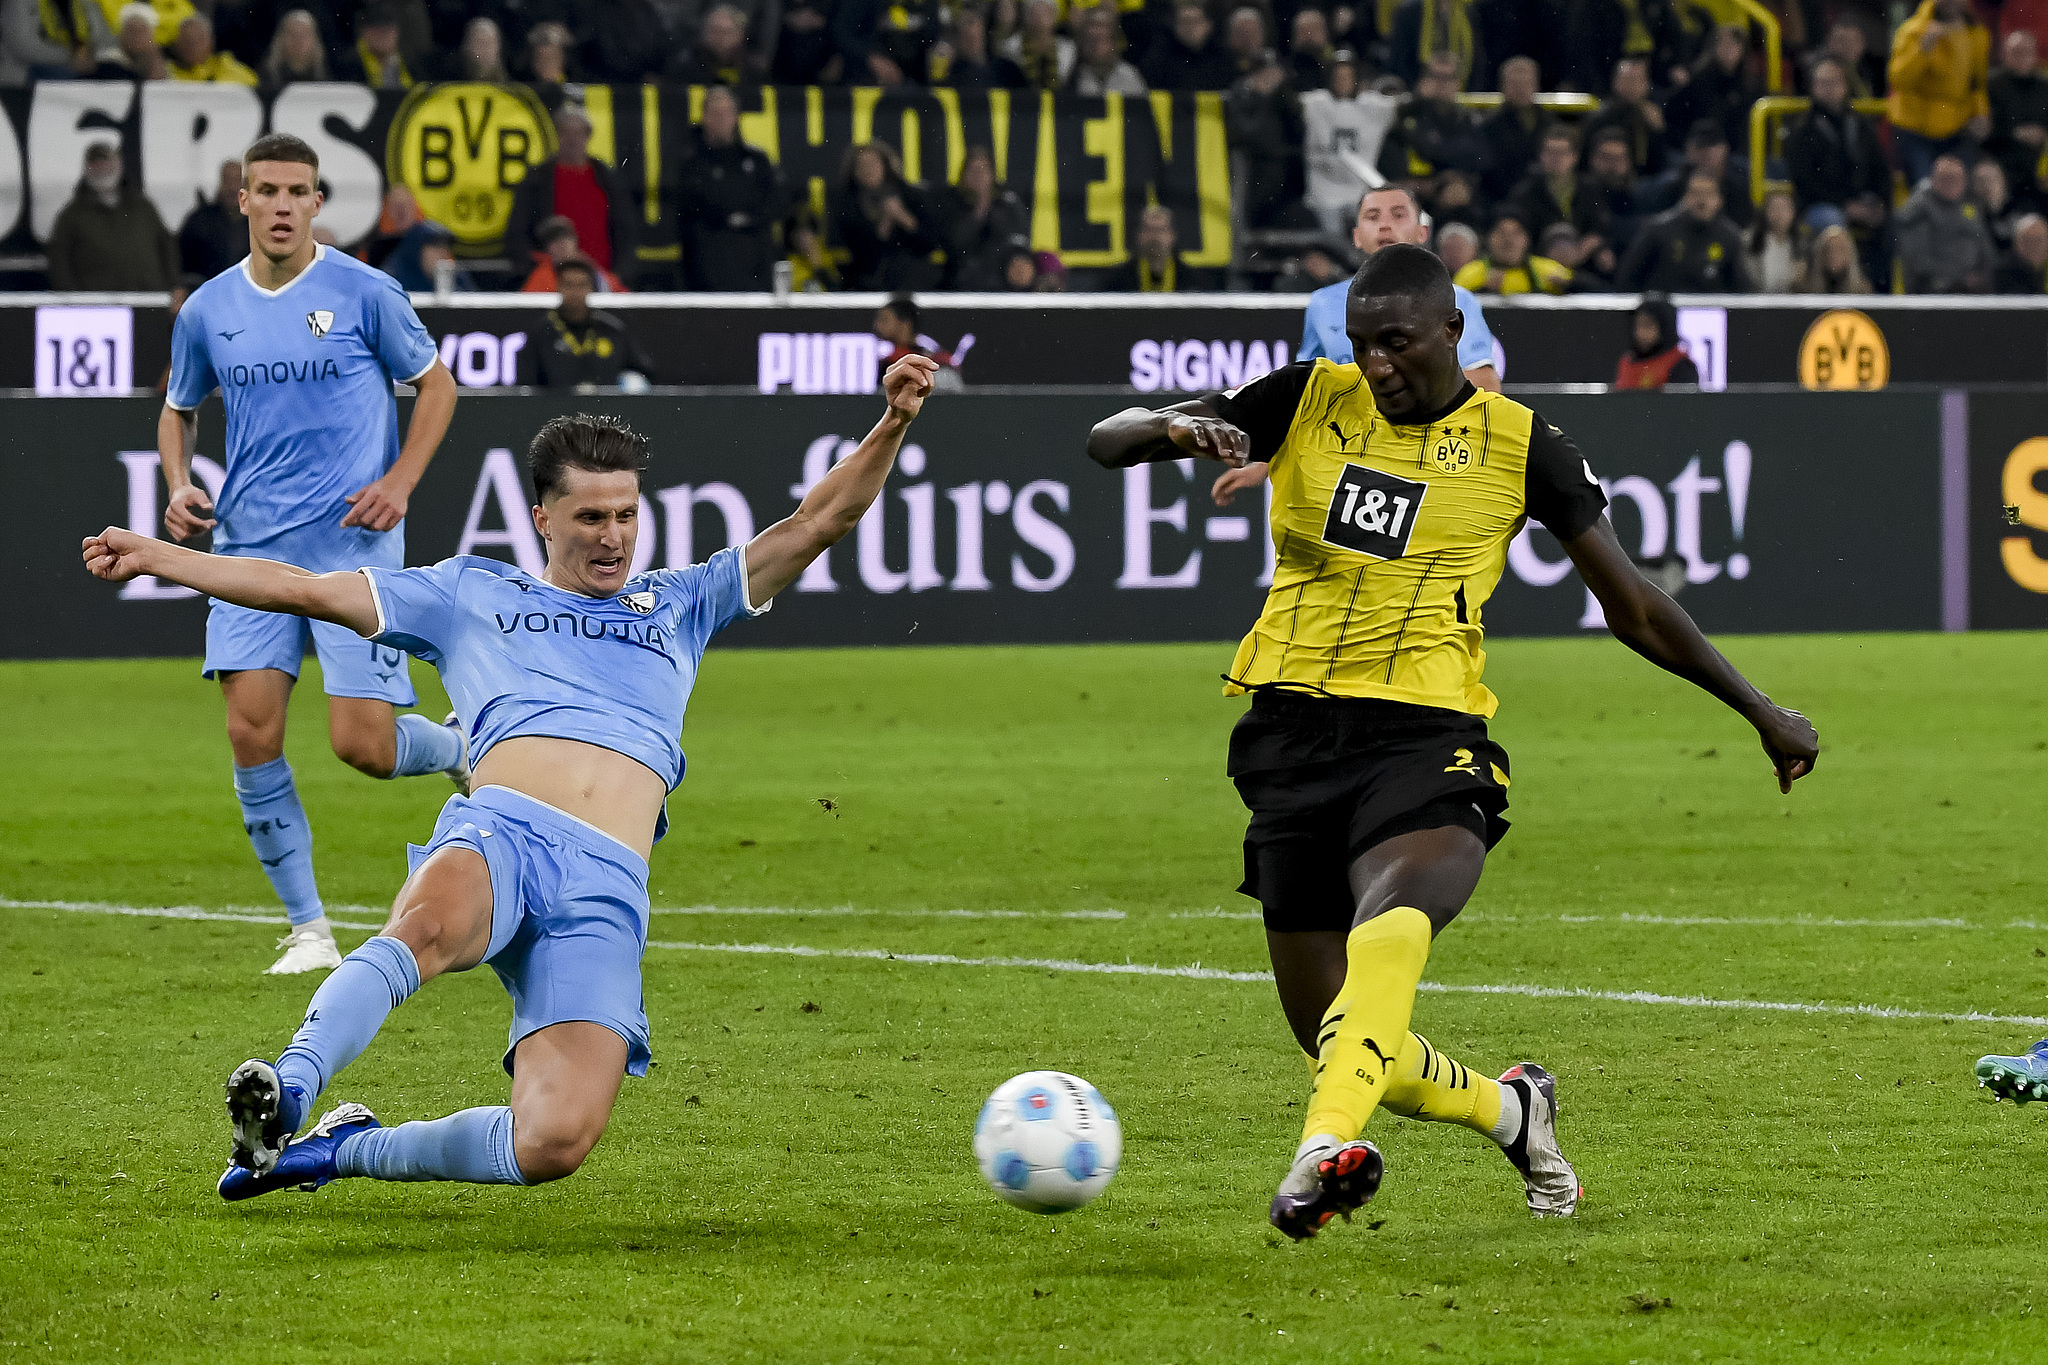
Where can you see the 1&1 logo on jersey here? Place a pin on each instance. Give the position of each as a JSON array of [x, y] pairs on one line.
[[1373, 512]]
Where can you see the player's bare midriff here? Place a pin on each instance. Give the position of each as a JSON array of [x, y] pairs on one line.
[[598, 786]]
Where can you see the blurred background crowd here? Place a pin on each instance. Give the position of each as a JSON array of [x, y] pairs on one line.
[[1557, 146]]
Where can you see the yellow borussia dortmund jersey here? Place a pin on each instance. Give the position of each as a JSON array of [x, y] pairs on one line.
[[1391, 536]]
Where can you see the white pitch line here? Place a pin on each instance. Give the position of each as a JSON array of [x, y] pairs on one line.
[[236, 914], [1198, 972], [1195, 971], [856, 911]]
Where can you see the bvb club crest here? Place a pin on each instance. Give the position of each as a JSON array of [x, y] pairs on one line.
[[1450, 455]]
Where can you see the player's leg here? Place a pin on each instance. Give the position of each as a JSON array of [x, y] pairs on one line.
[[440, 922], [258, 700], [366, 685]]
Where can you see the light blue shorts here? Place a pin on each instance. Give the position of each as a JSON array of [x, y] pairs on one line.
[[568, 914], [239, 638]]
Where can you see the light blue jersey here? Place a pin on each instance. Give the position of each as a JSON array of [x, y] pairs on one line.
[[1323, 334], [522, 657], [305, 372]]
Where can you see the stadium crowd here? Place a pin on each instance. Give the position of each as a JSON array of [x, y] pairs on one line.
[[1643, 183]]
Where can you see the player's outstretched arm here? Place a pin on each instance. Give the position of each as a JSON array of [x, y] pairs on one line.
[[836, 503], [343, 598], [1649, 622], [1143, 436]]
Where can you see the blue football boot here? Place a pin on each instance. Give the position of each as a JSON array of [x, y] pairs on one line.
[[2018, 1079], [265, 1113], [306, 1164]]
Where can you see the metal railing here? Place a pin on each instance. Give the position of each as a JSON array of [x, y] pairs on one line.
[[1766, 126]]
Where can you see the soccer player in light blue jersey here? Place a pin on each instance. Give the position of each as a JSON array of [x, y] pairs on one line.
[[572, 686], [304, 344], [1386, 215]]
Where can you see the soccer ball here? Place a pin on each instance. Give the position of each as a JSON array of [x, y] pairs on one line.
[[1047, 1141]]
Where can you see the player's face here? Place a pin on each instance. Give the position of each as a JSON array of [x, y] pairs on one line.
[[1384, 218], [590, 523], [1408, 351], [280, 200]]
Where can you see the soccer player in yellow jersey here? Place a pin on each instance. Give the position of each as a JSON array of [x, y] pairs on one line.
[[1374, 790]]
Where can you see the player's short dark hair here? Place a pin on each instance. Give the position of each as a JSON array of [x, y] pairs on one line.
[[583, 440], [578, 264], [1404, 270], [282, 147], [903, 306]]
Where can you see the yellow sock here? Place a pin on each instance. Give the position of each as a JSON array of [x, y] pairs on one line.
[[1427, 1085], [1366, 1026]]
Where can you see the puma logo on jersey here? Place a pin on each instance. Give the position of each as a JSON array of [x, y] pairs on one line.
[[1343, 441]]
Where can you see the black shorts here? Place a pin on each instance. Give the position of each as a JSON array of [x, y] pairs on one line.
[[1327, 778]]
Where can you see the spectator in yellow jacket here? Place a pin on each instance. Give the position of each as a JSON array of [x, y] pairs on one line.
[[1508, 268], [1941, 59], [193, 57]]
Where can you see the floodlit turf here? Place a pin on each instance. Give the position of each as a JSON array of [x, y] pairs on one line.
[[795, 1184]]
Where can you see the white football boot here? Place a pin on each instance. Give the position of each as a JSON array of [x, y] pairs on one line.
[[1553, 1186], [459, 774], [305, 950]]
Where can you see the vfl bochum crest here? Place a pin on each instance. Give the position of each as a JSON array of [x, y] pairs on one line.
[[639, 603], [318, 321]]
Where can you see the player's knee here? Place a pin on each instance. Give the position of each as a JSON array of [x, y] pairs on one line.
[[364, 754], [551, 1151], [255, 739]]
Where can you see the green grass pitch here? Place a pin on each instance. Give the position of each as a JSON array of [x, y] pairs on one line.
[[795, 1184]]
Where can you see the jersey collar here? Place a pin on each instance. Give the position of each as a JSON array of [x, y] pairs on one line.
[[1465, 394], [319, 255]]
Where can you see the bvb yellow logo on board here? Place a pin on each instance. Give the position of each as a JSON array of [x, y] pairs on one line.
[[1844, 350], [1450, 455], [463, 148]]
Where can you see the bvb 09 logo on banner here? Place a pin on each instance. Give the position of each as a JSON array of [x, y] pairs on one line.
[[463, 149]]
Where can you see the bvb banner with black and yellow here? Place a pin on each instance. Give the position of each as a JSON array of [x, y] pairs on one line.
[[1085, 166]]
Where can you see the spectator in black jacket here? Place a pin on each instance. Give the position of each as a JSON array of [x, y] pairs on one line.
[[1721, 88], [1263, 120], [2024, 269], [964, 62], [1609, 168], [2019, 108], [1514, 132], [985, 224], [1706, 150], [806, 50], [109, 236], [1832, 153], [623, 40], [579, 348], [216, 235], [1557, 192], [581, 188], [1155, 267], [1433, 132], [719, 56], [888, 227], [1849, 44], [1189, 58], [1629, 109], [728, 199], [1690, 250]]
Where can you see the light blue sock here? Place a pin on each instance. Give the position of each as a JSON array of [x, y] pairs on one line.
[[277, 828], [425, 747], [345, 1015], [474, 1145]]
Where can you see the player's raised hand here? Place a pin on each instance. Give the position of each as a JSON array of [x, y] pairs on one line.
[[378, 507], [1231, 482], [189, 512], [1212, 438], [1791, 742], [909, 382], [116, 555]]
